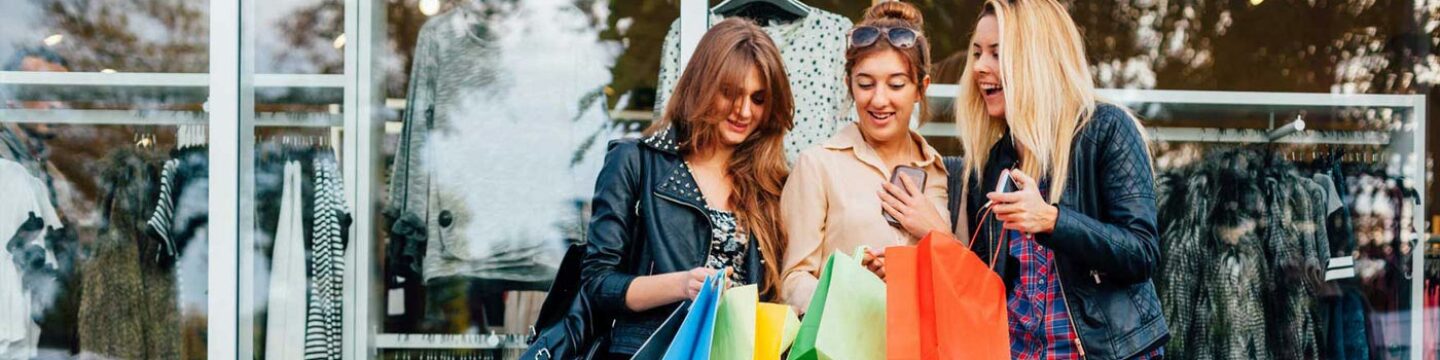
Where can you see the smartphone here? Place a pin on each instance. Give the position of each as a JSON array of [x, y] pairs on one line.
[[1005, 183], [1002, 185], [916, 175]]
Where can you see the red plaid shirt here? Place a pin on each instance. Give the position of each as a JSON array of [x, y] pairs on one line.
[[1040, 327]]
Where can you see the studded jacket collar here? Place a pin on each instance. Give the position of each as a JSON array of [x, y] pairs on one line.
[[678, 183]]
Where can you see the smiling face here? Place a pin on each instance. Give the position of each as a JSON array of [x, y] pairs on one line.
[[743, 112], [985, 49], [885, 95]]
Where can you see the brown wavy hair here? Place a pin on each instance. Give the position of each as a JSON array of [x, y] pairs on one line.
[[722, 61], [895, 14]]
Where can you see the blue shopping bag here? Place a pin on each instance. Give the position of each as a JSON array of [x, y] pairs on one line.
[[692, 341]]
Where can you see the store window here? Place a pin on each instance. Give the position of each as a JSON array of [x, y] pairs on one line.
[[104, 180], [293, 262], [497, 116], [411, 172]]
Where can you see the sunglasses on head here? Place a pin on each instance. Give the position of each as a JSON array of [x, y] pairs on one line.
[[900, 37]]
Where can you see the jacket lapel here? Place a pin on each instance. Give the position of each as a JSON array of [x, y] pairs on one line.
[[677, 184]]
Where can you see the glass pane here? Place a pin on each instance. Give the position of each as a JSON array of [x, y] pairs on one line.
[[1277, 228], [104, 166], [498, 112], [301, 217]]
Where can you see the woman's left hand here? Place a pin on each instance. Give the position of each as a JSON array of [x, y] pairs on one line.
[[1024, 210]]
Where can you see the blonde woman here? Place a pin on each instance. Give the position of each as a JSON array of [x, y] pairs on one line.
[[1079, 256]]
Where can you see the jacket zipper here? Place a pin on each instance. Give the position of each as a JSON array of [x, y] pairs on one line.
[[1069, 312], [708, 221]]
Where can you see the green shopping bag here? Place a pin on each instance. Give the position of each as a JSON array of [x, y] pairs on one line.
[[846, 317], [735, 325]]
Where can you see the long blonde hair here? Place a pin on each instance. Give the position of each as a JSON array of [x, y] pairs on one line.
[[1049, 93], [757, 170]]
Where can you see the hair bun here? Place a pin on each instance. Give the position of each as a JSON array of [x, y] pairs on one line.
[[898, 11]]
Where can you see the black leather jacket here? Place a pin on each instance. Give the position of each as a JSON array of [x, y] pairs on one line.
[[1105, 240], [647, 219]]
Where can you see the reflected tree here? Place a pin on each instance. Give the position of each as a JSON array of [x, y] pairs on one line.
[[127, 36]]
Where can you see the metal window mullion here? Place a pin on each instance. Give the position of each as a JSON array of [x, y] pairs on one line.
[[1417, 252], [364, 137], [694, 21], [227, 91]]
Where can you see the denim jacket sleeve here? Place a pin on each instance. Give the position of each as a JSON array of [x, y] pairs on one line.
[[613, 218], [1123, 242]]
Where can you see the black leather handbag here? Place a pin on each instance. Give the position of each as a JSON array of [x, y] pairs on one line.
[[567, 328]]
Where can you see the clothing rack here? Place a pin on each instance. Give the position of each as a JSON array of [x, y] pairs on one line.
[[302, 141], [160, 117], [1294, 132], [1289, 129], [165, 89], [450, 341]]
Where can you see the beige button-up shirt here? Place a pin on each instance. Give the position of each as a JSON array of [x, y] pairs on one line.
[[830, 203]]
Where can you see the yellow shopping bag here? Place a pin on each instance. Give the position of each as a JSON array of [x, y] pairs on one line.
[[775, 328]]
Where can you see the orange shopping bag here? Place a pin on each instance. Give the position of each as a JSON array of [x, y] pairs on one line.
[[943, 303]]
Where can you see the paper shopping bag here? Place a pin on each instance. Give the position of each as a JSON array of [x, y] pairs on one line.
[[968, 301], [692, 341], [735, 325], [945, 303], [846, 317], [659, 341], [775, 329]]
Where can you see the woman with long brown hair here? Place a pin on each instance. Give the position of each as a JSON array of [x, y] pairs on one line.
[[700, 194], [832, 201]]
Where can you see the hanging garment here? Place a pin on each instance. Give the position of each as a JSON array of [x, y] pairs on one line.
[[1184, 252], [522, 309], [18, 146], [1342, 226], [1349, 332], [1233, 294], [327, 251], [128, 306], [188, 234], [25, 217], [813, 49], [165, 211], [1214, 270], [1289, 239], [479, 102], [1431, 320], [285, 317]]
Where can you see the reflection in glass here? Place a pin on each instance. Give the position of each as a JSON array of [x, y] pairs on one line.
[[105, 209], [500, 144]]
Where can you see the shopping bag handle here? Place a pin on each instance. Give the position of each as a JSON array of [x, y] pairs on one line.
[[995, 253], [860, 254]]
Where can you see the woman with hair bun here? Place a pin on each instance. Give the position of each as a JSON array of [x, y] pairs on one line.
[[832, 200]]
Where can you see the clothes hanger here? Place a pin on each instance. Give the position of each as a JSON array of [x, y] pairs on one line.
[[790, 7]]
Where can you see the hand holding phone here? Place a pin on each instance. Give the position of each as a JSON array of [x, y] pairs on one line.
[[1002, 185], [917, 175]]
